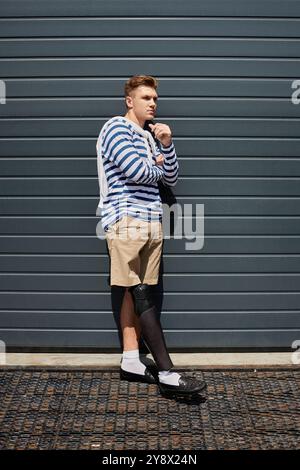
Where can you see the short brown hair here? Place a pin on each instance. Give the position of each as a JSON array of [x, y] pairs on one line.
[[138, 80]]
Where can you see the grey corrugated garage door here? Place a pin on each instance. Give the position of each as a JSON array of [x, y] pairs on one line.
[[225, 71]]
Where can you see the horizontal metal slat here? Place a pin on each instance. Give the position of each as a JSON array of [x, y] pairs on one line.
[[149, 47], [189, 166], [190, 147], [134, 8], [171, 301], [183, 107], [179, 66], [192, 263], [213, 205], [185, 226], [170, 283], [92, 245], [169, 87], [201, 186], [170, 320], [185, 127], [103, 339], [149, 27]]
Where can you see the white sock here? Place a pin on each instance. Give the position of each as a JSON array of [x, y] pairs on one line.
[[131, 362], [168, 377]]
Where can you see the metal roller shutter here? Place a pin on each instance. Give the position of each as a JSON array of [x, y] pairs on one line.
[[225, 72]]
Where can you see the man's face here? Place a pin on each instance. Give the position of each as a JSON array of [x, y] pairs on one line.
[[143, 102]]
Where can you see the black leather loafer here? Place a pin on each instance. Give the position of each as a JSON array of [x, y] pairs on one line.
[[149, 376], [187, 386]]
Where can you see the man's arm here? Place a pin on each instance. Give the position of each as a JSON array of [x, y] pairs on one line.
[[170, 166], [119, 148]]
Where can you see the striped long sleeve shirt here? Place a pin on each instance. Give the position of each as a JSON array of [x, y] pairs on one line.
[[132, 180]]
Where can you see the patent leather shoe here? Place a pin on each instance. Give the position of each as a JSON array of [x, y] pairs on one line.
[[148, 377], [186, 386]]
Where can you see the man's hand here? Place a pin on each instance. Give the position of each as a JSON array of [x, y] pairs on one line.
[[160, 160], [162, 132]]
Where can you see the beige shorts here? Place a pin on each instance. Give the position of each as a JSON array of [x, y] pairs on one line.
[[135, 248]]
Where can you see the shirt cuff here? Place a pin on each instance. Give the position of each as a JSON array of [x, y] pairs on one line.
[[169, 147]]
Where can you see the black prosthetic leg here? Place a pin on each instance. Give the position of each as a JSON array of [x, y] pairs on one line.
[[150, 325]]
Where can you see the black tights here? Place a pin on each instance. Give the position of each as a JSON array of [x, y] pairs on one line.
[[151, 330]]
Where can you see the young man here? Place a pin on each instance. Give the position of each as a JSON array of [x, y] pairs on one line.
[[129, 166]]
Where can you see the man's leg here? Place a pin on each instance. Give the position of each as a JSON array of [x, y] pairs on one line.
[[150, 325], [129, 324], [131, 332]]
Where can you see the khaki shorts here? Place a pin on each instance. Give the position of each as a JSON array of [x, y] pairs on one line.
[[135, 248]]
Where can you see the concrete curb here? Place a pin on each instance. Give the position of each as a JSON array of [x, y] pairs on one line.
[[186, 360]]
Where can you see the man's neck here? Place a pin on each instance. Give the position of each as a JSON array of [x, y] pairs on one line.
[[132, 117]]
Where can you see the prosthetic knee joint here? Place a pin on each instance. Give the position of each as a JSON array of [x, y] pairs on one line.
[[142, 298]]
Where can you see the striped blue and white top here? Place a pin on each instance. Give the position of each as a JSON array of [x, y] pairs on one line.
[[131, 179]]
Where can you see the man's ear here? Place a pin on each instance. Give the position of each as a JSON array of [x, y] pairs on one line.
[[128, 102]]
